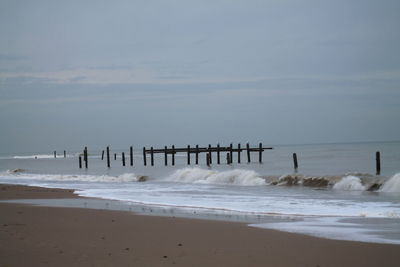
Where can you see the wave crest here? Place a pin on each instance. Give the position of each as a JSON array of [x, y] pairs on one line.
[[202, 176], [349, 183], [392, 185]]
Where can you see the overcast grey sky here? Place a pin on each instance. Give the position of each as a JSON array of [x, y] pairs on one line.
[[161, 72]]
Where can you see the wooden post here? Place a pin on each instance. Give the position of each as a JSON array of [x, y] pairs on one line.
[[86, 157], [173, 155], [209, 153], [188, 155], [208, 159], [295, 164], [55, 154], [197, 154], [260, 151], [231, 153], [131, 155], [239, 150], [108, 157], [80, 162], [123, 159], [115, 156], [152, 156], [165, 156], [65, 154], [248, 152], [378, 162], [102, 155], [144, 157], [218, 155], [228, 158]]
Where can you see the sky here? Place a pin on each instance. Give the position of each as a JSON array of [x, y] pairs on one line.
[[163, 72]]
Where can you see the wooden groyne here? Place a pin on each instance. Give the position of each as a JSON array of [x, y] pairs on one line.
[[197, 151]]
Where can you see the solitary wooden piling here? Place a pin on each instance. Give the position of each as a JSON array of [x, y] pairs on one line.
[[173, 155], [55, 154], [123, 159], [188, 154], [80, 162], [144, 157], [208, 159], [108, 157], [65, 154], [209, 153], [165, 156], [295, 164], [239, 151], [152, 156], [115, 156], [218, 154], [378, 162], [248, 152], [260, 151], [197, 154], [102, 155], [131, 155], [86, 157], [228, 158], [231, 153]]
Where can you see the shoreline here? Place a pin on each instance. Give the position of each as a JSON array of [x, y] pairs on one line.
[[89, 237]]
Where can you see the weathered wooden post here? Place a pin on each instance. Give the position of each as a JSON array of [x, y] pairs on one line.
[[248, 152], [231, 153], [208, 159], [188, 155], [239, 150], [228, 158], [165, 156], [80, 162], [123, 159], [115, 156], [65, 154], [131, 155], [260, 151], [85, 157], [102, 155], [378, 162], [108, 157], [197, 154], [55, 154], [295, 164], [173, 155], [218, 155], [152, 156], [209, 153], [144, 157]]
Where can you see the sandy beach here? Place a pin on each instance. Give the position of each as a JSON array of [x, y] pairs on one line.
[[41, 236]]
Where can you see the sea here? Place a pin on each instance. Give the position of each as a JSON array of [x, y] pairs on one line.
[[335, 193]]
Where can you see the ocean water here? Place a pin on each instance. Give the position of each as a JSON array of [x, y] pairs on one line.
[[335, 193]]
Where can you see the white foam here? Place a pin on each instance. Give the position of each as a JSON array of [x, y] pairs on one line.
[[392, 185], [126, 177], [349, 183], [332, 228], [41, 156], [202, 176]]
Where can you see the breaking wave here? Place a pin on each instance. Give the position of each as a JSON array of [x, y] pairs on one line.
[[126, 177], [392, 185], [350, 183], [202, 176]]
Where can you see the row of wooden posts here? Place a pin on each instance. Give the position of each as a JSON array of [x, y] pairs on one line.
[[197, 150]]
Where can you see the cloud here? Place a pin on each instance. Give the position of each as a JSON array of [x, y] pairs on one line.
[[9, 57]]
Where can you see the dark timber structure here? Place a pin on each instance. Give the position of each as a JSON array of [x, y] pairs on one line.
[[207, 150]]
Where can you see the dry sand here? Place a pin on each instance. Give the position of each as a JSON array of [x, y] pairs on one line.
[[42, 236]]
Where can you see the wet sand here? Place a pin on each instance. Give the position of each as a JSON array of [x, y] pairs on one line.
[[42, 236]]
